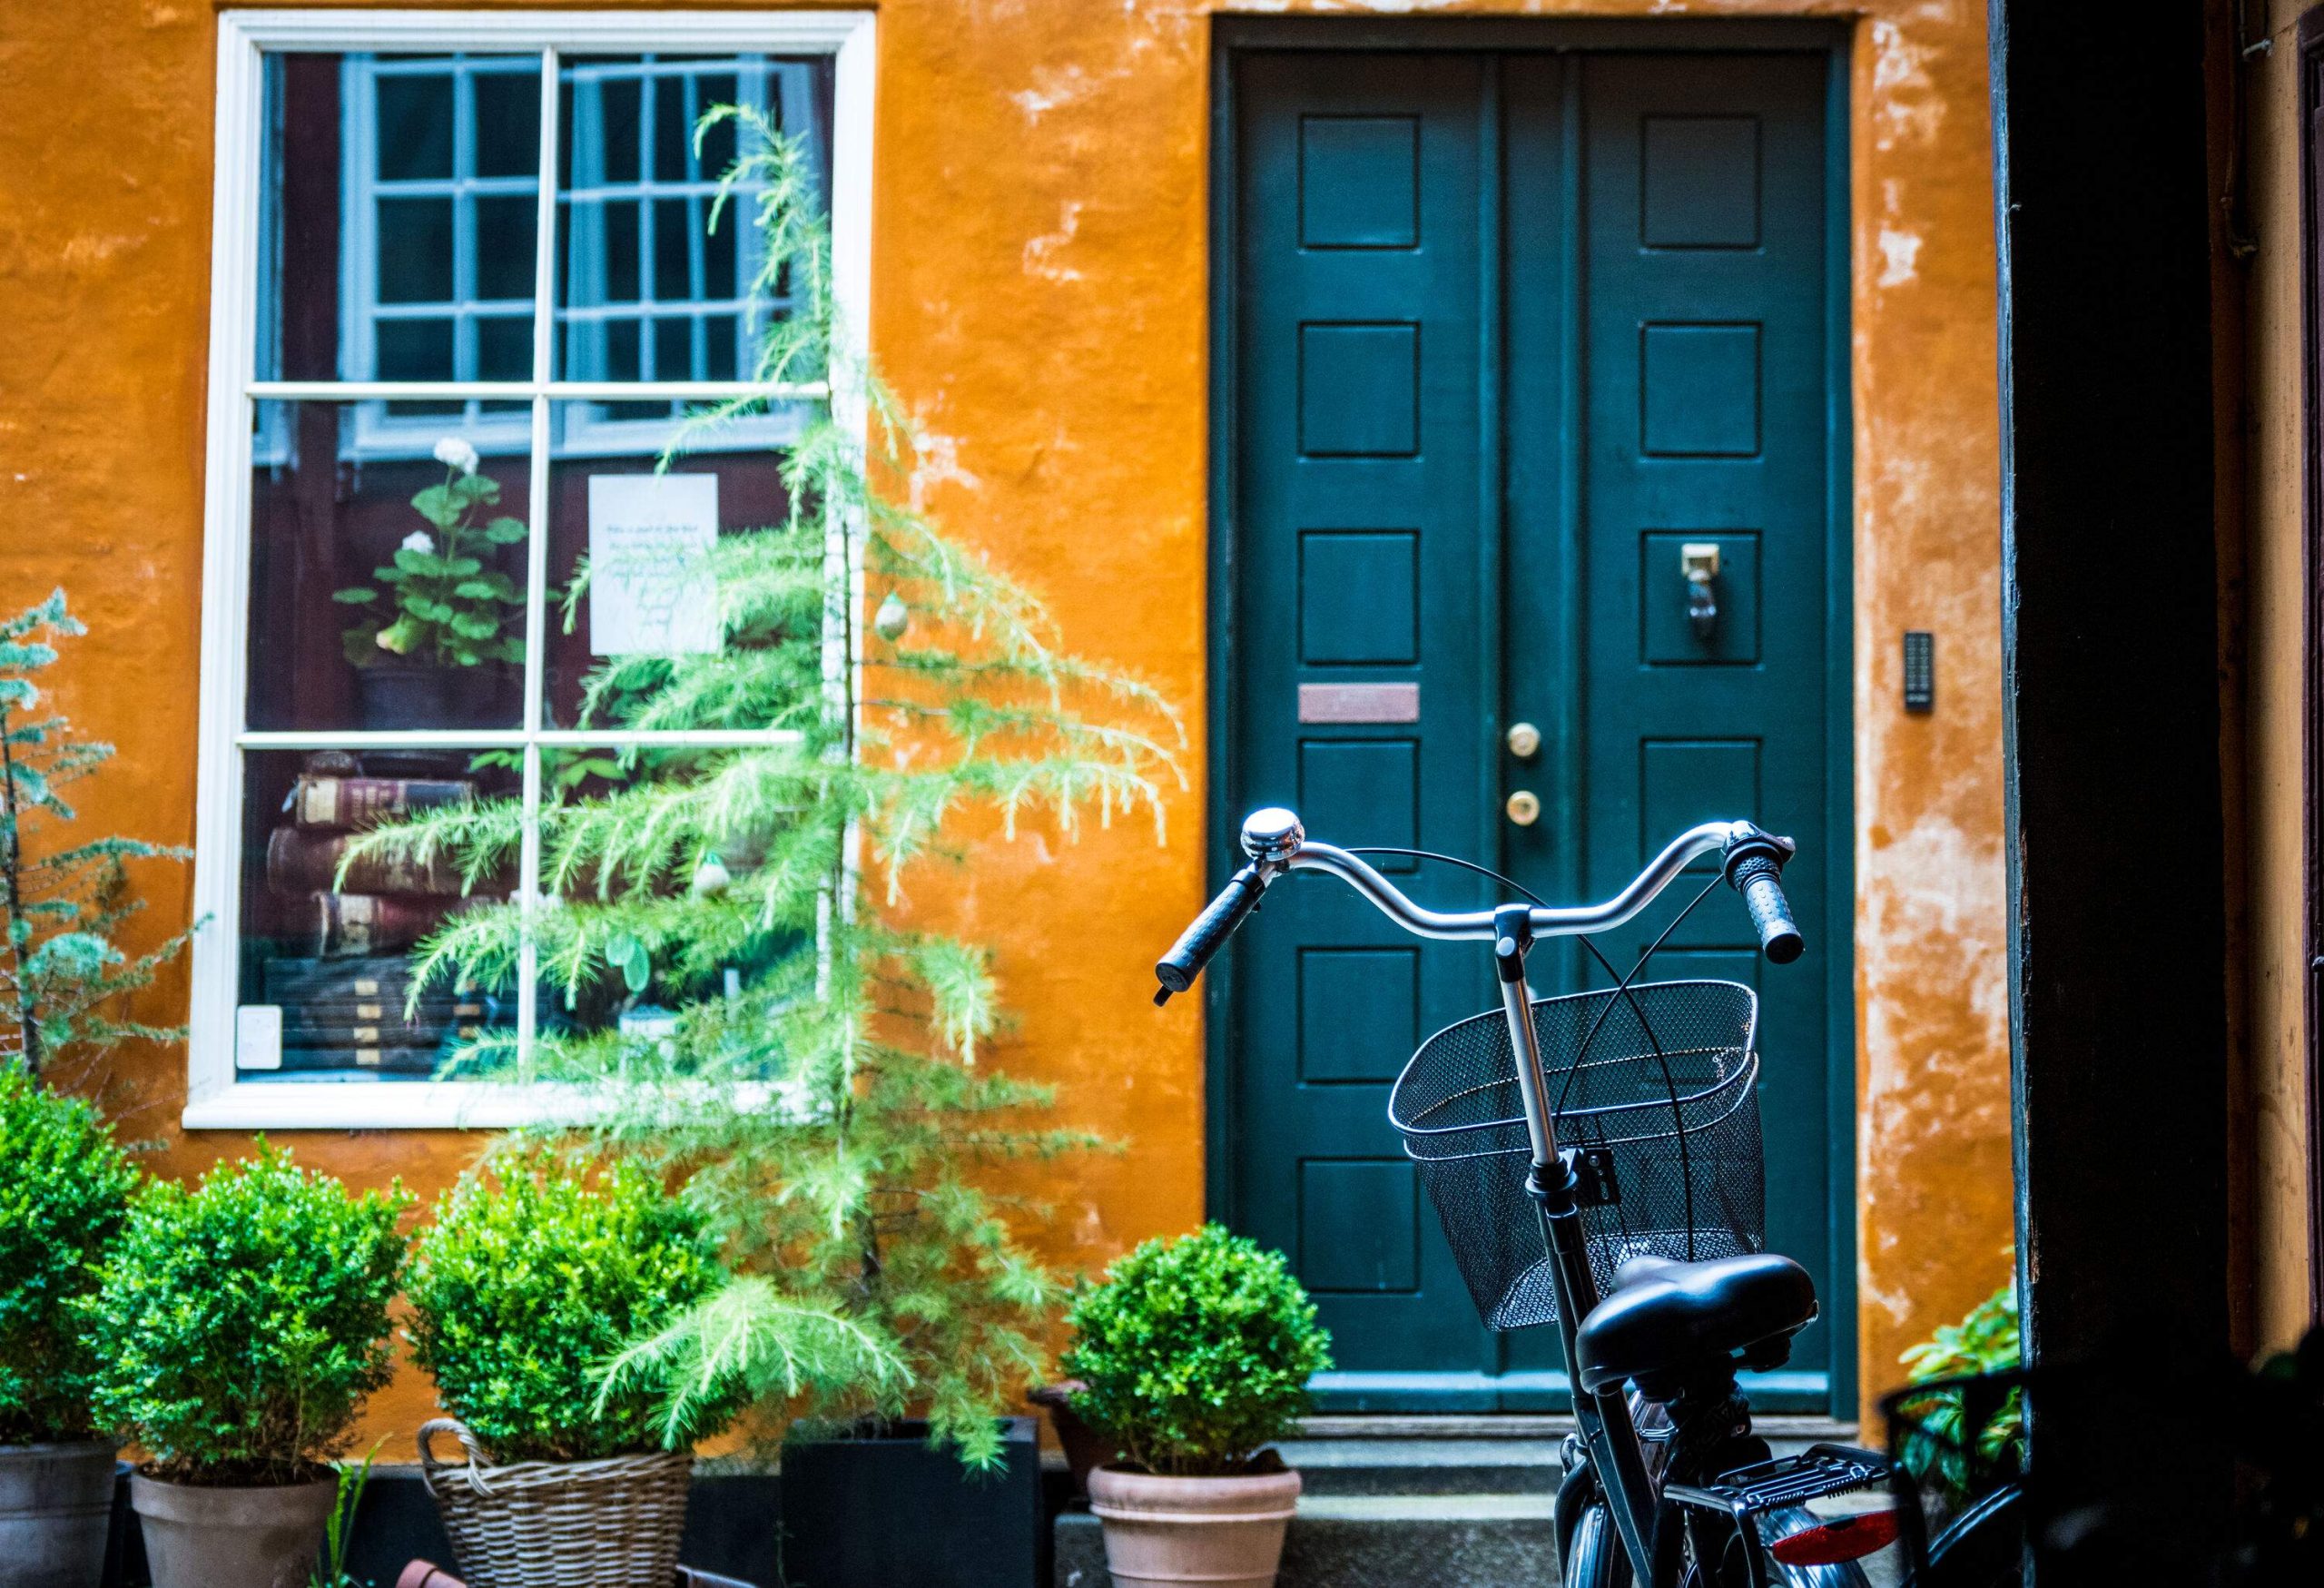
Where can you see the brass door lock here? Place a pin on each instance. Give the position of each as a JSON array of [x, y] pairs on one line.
[[1524, 741], [1523, 807]]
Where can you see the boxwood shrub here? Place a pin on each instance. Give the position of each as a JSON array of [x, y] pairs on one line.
[[1196, 1353], [240, 1324], [65, 1191], [524, 1291]]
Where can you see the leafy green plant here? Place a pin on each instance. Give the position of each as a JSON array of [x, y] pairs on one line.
[[348, 1499], [238, 1325], [1939, 1449], [64, 977], [440, 603], [1196, 1353], [65, 1191], [522, 1291], [819, 1068]]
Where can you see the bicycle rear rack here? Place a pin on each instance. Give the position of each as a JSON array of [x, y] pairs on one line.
[[1821, 1472]]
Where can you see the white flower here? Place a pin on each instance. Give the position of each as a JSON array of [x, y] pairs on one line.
[[420, 541], [454, 453]]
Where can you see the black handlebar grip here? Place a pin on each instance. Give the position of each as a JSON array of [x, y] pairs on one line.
[[1177, 969], [1779, 936]]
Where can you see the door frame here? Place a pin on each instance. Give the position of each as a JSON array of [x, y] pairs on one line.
[[1231, 38]]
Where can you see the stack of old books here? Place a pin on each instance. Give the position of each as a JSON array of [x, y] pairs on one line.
[[347, 1004]]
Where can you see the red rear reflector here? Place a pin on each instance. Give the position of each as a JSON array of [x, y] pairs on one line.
[[1843, 1538]]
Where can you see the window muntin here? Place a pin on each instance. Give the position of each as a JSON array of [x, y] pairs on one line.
[[291, 417]]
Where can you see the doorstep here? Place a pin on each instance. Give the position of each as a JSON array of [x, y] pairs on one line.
[[1407, 1500]]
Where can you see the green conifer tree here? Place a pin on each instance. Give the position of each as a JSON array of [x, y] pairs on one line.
[[820, 1080], [65, 978]]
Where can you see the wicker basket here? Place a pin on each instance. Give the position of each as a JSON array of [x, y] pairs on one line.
[[609, 1524]]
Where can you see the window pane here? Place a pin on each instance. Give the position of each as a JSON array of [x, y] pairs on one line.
[[333, 957], [504, 352], [508, 121], [634, 204], [415, 350], [674, 241], [413, 124], [674, 349], [386, 587], [603, 1001], [504, 247], [384, 199], [415, 242], [646, 541]]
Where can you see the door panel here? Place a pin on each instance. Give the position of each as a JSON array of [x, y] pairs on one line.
[[1516, 336], [1360, 350]]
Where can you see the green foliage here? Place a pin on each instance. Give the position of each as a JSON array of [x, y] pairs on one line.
[[1197, 1352], [238, 1325], [331, 1572], [822, 1084], [65, 1191], [523, 1291], [64, 977], [439, 602], [1985, 1341]]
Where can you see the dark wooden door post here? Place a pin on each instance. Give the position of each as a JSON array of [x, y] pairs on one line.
[[2117, 921]]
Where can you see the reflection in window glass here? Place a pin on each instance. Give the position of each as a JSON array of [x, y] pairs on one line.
[[327, 932], [401, 204], [642, 534], [385, 595], [388, 607], [647, 290]]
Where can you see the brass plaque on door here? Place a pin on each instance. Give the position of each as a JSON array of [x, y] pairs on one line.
[[1359, 703]]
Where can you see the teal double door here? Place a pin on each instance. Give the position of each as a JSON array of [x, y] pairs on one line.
[[1518, 342]]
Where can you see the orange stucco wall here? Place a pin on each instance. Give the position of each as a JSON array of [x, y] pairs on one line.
[[1039, 288]]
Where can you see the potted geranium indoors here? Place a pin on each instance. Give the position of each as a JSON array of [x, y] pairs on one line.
[[439, 613], [526, 1287], [1194, 1356], [63, 1191], [238, 1326]]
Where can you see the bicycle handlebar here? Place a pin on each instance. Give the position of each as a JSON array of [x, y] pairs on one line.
[[1752, 860], [1177, 969]]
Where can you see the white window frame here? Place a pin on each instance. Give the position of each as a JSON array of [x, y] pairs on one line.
[[216, 1099]]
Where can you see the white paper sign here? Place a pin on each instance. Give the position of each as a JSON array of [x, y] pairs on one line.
[[650, 588], [258, 1036]]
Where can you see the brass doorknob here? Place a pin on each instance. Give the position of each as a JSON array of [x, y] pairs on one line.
[[1524, 741], [1524, 807]]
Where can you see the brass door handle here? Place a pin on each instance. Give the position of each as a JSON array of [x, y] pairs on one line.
[[1523, 807], [1524, 741]]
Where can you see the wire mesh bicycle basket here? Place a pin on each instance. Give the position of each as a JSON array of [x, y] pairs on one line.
[[1660, 1078]]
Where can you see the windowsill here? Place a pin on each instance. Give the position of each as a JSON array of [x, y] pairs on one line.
[[426, 1105]]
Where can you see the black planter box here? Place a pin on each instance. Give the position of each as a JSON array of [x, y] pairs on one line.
[[889, 1510]]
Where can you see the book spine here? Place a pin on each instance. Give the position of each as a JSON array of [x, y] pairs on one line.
[[342, 804], [363, 924], [299, 861]]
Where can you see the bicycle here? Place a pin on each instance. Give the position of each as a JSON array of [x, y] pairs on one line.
[[1595, 1161]]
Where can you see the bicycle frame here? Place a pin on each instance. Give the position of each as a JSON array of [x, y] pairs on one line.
[[1617, 1453]]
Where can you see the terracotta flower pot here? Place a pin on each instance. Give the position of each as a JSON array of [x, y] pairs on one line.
[[200, 1537], [1226, 1533], [55, 1508]]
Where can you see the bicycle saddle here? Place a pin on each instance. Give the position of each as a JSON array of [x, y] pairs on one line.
[[1669, 1320]]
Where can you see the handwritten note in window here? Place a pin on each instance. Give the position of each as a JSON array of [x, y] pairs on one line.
[[650, 590]]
